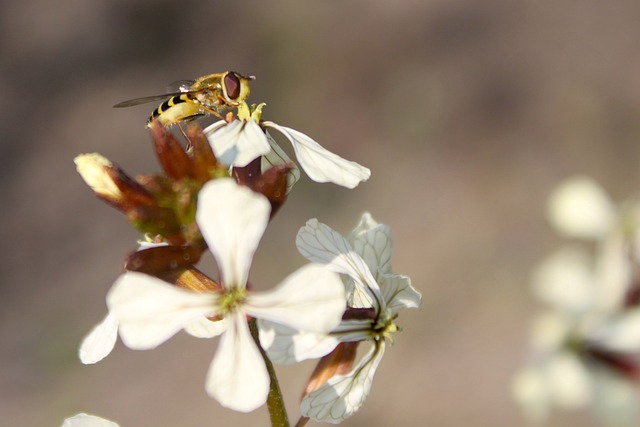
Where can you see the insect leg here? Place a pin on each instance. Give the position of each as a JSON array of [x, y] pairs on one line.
[[184, 134]]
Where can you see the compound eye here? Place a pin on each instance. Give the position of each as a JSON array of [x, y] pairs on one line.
[[232, 84]]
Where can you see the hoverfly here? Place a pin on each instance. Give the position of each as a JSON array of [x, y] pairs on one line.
[[210, 94]]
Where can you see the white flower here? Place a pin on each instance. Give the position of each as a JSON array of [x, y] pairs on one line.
[[241, 141], [85, 420], [232, 220], [581, 345], [364, 261]]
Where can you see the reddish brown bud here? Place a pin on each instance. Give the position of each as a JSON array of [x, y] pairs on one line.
[[365, 313], [249, 174], [172, 157], [273, 185], [204, 162], [158, 260]]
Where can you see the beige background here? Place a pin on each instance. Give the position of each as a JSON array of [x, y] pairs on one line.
[[467, 112]]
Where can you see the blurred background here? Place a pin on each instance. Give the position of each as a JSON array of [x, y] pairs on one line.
[[467, 113]]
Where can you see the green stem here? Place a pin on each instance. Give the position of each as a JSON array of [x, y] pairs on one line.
[[275, 402]]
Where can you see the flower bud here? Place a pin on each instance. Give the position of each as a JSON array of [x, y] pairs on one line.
[[109, 182], [172, 157], [160, 259]]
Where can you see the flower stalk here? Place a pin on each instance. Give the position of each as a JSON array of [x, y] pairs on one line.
[[275, 402]]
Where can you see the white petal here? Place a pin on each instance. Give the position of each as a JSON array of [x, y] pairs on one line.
[[214, 127], [319, 243], [100, 341], [85, 420], [354, 330], [238, 378], [614, 271], [569, 381], [565, 280], [205, 328], [320, 164], [615, 398], [622, 333], [150, 311], [531, 392], [372, 241], [398, 292], [579, 207], [238, 143], [232, 219], [310, 299], [277, 156], [342, 395], [285, 345]]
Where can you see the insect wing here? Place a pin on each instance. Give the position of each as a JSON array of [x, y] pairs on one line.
[[181, 86], [145, 100]]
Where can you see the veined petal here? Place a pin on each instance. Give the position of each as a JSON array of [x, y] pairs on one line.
[[579, 207], [100, 341], [232, 219], [150, 311], [238, 143], [320, 164], [311, 299], [398, 292], [342, 395], [286, 345], [372, 241], [238, 378], [205, 328], [320, 243], [86, 420], [277, 156], [354, 330]]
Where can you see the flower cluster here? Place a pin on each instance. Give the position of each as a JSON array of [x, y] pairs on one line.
[[219, 195], [586, 344]]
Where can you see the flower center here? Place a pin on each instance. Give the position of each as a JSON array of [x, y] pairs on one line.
[[232, 299], [384, 328]]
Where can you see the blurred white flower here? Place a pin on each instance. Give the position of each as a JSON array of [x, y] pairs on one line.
[[243, 140], [232, 220], [584, 344], [364, 262], [85, 420]]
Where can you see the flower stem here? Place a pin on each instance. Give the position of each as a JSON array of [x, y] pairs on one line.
[[275, 402]]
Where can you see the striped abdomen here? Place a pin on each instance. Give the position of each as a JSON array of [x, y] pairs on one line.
[[175, 109]]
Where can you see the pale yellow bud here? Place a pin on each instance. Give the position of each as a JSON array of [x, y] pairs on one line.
[[96, 169]]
